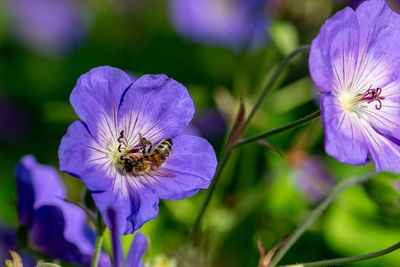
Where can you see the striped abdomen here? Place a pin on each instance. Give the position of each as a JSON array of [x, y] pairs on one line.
[[160, 153]]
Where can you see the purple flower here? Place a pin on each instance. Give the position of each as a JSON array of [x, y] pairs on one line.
[[136, 251], [49, 27], [355, 3], [55, 227], [312, 178], [236, 24], [15, 124], [355, 62], [127, 126], [8, 241]]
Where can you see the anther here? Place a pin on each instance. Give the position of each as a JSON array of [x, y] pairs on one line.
[[373, 94]]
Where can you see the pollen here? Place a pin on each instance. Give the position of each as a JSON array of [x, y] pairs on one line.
[[349, 101]]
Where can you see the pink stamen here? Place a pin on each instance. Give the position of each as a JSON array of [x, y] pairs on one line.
[[373, 94]]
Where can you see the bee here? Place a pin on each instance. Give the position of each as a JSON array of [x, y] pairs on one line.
[[135, 154], [139, 159], [153, 160]]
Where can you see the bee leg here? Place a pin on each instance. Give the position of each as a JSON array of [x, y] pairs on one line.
[[150, 146]]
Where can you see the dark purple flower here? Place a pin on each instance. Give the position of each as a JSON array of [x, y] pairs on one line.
[[8, 241], [208, 124], [50, 27], [15, 123], [211, 124], [55, 227], [355, 62], [236, 24], [123, 124]]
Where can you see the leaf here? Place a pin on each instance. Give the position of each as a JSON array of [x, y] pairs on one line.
[[285, 36], [384, 189], [265, 260], [269, 146]]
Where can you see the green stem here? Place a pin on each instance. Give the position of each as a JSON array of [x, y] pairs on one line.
[[99, 240], [313, 216], [278, 130], [299, 50], [341, 261], [228, 150], [220, 167]]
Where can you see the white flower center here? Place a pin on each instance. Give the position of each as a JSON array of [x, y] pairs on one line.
[[351, 102]]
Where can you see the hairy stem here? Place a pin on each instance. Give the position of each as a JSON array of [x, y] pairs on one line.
[[299, 50], [281, 129], [99, 240], [313, 216], [341, 261]]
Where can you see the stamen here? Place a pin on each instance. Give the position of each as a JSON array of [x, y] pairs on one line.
[[372, 95]]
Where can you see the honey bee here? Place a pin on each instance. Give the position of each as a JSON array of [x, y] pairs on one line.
[[139, 160], [153, 160], [131, 156]]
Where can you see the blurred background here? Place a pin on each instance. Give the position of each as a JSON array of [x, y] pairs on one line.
[[220, 50]]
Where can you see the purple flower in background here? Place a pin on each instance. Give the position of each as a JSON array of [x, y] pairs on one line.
[[236, 24], [355, 3], [209, 124], [355, 62], [55, 227], [136, 251], [8, 241], [128, 150], [15, 123], [49, 27], [312, 177]]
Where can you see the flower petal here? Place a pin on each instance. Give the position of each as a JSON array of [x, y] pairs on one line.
[[56, 227], [74, 156], [379, 53], [136, 251], [131, 201], [47, 235], [97, 96], [131, 210], [191, 166], [384, 150], [60, 232], [156, 107], [344, 140], [37, 185], [118, 254], [334, 52]]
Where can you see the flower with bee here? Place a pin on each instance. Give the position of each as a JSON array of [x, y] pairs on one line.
[[128, 148], [355, 62]]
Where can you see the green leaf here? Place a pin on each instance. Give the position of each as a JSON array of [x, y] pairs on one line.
[[383, 190], [285, 36]]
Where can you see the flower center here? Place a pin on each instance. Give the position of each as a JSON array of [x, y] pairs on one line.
[[351, 102], [127, 156]]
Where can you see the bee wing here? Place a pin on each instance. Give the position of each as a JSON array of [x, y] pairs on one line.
[[163, 173]]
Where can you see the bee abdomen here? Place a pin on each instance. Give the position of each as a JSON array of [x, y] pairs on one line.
[[161, 152]]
